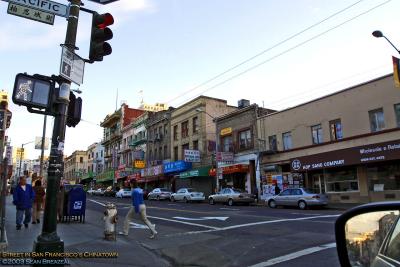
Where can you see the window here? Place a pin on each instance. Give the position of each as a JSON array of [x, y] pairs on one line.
[[101, 153], [272, 143], [397, 113], [245, 139], [81, 160], [184, 147], [227, 144], [316, 131], [384, 175], [195, 125], [185, 129], [165, 152], [176, 132], [196, 145], [89, 156], [344, 180], [161, 154], [336, 129], [155, 153], [287, 141], [165, 129], [376, 120], [176, 153], [150, 155]]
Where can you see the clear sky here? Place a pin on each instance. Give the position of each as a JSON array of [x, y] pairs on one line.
[[168, 47]]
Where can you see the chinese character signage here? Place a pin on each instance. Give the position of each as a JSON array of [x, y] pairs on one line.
[[192, 155], [177, 166], [139, 164], [30, 13]]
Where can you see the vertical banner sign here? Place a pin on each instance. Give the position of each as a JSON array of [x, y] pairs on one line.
[[9, 155], [396, 71]]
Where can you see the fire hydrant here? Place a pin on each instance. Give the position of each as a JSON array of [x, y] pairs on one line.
[[110, 219]]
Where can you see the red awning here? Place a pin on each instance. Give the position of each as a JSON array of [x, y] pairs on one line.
[[230, 169]]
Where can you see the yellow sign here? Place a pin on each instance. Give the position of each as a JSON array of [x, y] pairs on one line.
[[269, 178], [226, 131], [139, 164]]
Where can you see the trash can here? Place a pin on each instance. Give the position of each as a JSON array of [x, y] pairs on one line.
[[76, 205]]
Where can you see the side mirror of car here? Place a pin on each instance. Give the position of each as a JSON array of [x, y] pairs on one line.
[[369, 235]]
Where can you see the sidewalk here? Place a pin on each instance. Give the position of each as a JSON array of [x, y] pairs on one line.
[[85, 237]]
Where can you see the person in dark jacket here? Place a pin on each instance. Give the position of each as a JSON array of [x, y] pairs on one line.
[[22, 198], [38, 202]]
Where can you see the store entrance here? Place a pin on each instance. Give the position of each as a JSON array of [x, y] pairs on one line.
[[318, 183]]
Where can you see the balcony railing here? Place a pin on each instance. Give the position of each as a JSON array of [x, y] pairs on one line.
[[137, 142]]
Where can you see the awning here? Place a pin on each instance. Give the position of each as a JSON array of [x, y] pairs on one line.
[[105, 176], [236, 168], [202, 171]]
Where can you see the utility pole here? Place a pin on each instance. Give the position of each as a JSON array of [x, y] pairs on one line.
[[48, 240]]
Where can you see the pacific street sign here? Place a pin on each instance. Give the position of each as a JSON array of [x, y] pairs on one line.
[[44, 5]]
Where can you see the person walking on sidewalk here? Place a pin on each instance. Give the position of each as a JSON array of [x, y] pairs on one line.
[[38, 201], [22, 198], [138, 207]]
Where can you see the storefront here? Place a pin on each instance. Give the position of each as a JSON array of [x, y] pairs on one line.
[[152, 177], [198, 179], [235, 175], [353, 175], [105, 179], [172, 171]]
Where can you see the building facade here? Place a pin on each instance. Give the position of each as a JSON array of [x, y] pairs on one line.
[[193, 140], [238, 147], [112, 139], [75, 167], [346, 144]]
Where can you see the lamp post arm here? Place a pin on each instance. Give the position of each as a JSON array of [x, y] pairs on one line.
[[398, 51]]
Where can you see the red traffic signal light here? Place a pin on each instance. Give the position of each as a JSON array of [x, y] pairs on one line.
[[99, 35]]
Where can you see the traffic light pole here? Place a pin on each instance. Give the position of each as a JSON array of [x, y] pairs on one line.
[[48, 240]]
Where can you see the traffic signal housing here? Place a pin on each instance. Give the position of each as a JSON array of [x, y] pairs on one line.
[[74, 110], [99, 35]]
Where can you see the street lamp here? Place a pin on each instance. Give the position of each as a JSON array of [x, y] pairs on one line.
[[219, 170], [21, 156], [379, 34]]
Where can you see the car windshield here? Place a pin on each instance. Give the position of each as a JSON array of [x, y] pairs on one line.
[[164, 190], [310, 191], [190, 190], [239, 191]]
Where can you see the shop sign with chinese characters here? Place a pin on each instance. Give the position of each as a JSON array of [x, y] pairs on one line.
[[30, 13]]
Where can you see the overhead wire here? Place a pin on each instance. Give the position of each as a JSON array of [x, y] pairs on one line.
[[290, 49], [265, 50]]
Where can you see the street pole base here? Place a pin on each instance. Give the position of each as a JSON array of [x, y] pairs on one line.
[[44, 247]]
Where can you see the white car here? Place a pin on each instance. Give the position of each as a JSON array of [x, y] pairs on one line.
[[90, 191], [126, 192], [187, 195]]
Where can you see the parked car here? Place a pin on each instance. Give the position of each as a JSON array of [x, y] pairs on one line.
[[232, 196], [159, 194], [187, 195], [98, 192], [124, 192], [110, 192], [90, 191], [299, 197]]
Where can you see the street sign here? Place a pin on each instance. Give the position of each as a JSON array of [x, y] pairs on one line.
[[103, 2], [9, 154], [2, 118], [72, 66], [32, 92], [30, 13], [38, 143], [44, 5]]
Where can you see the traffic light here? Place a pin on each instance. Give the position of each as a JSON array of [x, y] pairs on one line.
[[74, 110], [100, 34], [3, 99]]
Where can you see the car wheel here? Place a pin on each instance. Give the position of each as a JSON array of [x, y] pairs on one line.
[[302, 205], [172, 199], [211, 201], [158, 198], [272, 204], [230, 202], [185, 200]]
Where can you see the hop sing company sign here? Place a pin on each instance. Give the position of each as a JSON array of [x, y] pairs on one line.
[[192, 155], [349, 156]]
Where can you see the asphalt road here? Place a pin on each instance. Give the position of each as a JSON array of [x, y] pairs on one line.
[[198, 234]]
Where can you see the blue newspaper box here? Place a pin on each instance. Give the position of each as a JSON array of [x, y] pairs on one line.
[[76, 204]]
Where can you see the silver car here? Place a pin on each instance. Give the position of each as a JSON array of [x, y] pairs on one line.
[[299, 197], [187, 195], [159, 194], [231, 196]]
